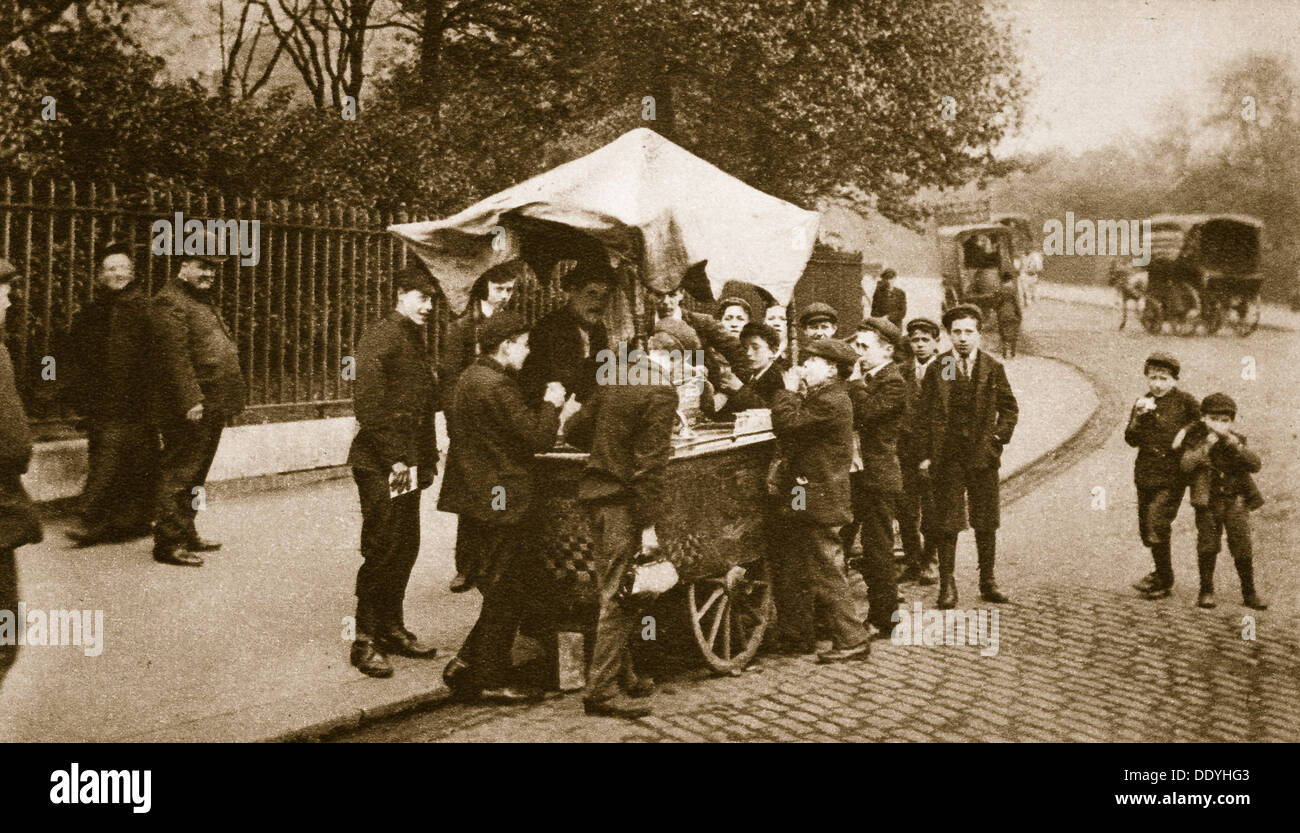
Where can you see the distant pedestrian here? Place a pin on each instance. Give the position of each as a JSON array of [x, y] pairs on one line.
[[489, 484], [1154, 421], [1009, 315], [19, 524], [199, 389], [879, 405], [110, 371], [968, 414], [889, 301], [815, 430], [396, 403], [1219, 464], [491, 292]]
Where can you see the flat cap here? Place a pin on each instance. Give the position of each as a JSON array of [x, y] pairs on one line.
[[1219, 403], [884, 327], [212, 245], [831, 349], [679, 331], [116, 246], [414, 276], [818, 311], [7, 271], [888, 275], [500, 327], [1162, 359], [589, 270], [733, 301], [962, 311], [928, 324]]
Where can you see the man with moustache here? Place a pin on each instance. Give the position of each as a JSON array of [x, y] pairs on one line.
[[489, 484], [565, 343], [19, 524], [199, 389], [396, 404], [109, 373], [968, 413], [915, 507]]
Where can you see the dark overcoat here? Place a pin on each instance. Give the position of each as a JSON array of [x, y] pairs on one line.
[[197, 360], [879, 404], [815, 431], [994, 417]]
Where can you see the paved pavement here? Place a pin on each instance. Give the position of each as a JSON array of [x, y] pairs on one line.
[[1080, 657], [252, 645]]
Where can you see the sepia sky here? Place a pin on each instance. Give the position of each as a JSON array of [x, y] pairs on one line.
[[1102, 66], [1098, 68]]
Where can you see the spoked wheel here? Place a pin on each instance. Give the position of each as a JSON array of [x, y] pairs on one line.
[[1153, 315], [1185, 323], [730, 614], [1246, 316]]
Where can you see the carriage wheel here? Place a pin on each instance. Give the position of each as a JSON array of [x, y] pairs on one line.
[[1185, 324], [1153, 315], [730, 614], [1247, 318]]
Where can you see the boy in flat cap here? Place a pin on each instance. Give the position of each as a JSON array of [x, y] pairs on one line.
[[819, 320], [968, 413], [915, 509], [19, 524], [1220, 465], [110, 371], [1154, 421], [815, 430], [199, 388], [396, 403], [489, 483], [879, 404]]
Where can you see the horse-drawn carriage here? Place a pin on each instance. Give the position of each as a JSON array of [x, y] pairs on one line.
[[972, 260], [1204, 270]]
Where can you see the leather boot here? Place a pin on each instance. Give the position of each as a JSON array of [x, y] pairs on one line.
[[947, 568], [1246, 572], [368, 659], [986, 547]]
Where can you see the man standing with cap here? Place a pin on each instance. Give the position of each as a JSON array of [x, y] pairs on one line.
[[622, 486], [199, 389], [915, 506], [968, 413], [566, 342], [489, 483], [110, 372], [888, 301], [815, 431], [879, 403], [396, 402], [19, 524], [819, 321]]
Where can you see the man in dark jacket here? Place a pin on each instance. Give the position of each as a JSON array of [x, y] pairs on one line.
[[110, 372], [396, 403], [199, 389], [18, 522], [490, 292], [968, 413], [622, 487], [489, 483], [564, 344], [1154, 422], [888, 301], [766, 365], [815, 430], [879, 404], [915, 505]]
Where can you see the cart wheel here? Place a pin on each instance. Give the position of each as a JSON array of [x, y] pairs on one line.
[[1153, 316], [1185, 323], [730, 614], [1247, 318]]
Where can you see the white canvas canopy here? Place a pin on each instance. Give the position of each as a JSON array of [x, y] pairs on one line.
[[645, 199]]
